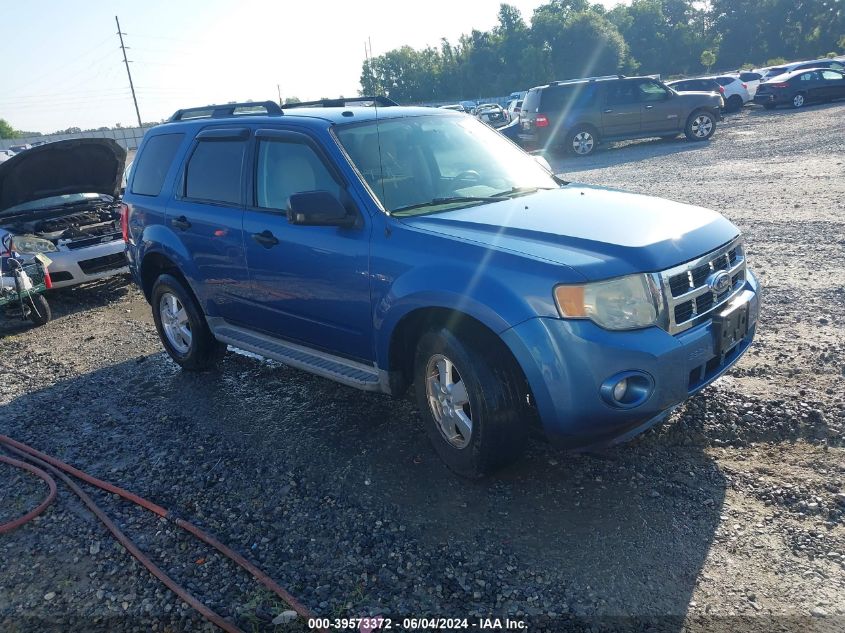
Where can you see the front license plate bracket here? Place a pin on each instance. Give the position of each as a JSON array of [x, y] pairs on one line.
[[730, 326]]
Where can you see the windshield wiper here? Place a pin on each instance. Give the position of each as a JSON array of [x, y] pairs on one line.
[[452, 199], [517, 191]]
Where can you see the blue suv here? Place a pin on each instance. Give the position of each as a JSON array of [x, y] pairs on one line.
[[387, 247]]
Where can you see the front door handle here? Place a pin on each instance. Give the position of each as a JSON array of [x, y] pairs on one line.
[[181, 223], [649, 107], [266, 239], [608, 111]]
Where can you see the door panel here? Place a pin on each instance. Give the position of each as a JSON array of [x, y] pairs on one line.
[[310, 283], [659, 109], [208, 222], [621, 113]]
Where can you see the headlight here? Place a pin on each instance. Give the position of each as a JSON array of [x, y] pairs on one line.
[[625, 303], [32, 244]]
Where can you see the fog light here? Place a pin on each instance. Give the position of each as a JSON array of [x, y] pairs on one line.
[[619, 390], [627, 389]]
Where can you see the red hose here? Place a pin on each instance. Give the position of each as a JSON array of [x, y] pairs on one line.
[[13, 525], [57, 466]]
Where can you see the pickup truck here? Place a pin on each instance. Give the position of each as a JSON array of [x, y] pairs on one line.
[[398, 249]]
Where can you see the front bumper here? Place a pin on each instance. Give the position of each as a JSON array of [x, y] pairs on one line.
[[567, 361], [70, 267]]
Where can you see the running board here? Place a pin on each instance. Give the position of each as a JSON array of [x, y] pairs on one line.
[[337, 368]]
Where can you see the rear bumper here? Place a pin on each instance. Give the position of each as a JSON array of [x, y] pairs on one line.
[[72, 267], [566, 363]]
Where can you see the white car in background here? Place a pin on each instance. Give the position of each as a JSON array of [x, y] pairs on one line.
[[5, 155], [751, 79], [62, 200]]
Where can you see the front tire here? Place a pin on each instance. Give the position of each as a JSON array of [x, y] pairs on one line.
[[700, 125], [182, 327], [470, 399], [39, 310]]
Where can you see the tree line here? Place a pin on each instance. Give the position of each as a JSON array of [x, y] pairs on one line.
[[574, 38]]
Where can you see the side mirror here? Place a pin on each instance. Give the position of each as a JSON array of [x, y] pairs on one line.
[[318, 208]]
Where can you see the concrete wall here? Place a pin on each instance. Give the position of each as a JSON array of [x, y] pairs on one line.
[[129, 137]]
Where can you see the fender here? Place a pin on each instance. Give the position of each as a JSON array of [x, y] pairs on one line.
[[158, 239], [483, 298]]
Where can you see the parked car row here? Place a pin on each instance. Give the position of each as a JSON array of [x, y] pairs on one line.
[[577, 114]]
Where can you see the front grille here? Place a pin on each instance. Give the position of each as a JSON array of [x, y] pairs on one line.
[[93, 241], [100, 264], [690, 296]]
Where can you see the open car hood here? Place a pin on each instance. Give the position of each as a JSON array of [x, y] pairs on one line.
[[88, 165]]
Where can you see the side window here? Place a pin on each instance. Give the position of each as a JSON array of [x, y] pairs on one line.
[[831, 74], [285, 168], [837, 65], [649, 91], [804, 77], [214, 171], [621, 92], [151, 167]]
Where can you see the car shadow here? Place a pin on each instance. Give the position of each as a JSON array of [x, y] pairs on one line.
[[599, 538], [619, 153]]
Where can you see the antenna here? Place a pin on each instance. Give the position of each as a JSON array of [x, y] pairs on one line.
[[129, 74]]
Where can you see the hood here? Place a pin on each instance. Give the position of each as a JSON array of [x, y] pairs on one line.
[[89, 165], [599, 232]]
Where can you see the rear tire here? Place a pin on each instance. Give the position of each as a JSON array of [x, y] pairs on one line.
[[733, 104], [182, 326], [471, 403], [799, 100], [582, 140], [700, 125], [39, 311]]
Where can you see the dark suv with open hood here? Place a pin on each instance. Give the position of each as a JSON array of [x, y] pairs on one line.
[[61, 199], [578, 114]]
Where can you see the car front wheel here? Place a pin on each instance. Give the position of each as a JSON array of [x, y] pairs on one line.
[[700, 126], [471, 403], [182, 326]]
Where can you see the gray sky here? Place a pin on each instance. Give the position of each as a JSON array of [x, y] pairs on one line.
[[62, 64]]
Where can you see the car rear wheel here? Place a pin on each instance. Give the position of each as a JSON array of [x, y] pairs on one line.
[[182, 326], [798, 100], [582, 141], [470, 402], [734, 104], [700, 126]]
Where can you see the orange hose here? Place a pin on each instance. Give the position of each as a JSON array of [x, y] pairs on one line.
[[51, 483], [57, 466]]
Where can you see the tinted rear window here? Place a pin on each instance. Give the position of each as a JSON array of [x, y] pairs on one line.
[[532, 101], [150, 168], [725, 81], [215, 170], [750, 76], [556, 98]]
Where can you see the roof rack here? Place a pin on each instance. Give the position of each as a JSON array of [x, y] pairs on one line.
[[572, 81], [271, 108], [343, 101]]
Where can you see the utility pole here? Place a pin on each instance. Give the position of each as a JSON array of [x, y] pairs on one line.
[[279, 90], [126, 61]]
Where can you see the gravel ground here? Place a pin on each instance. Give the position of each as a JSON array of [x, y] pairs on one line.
[[727, 517]]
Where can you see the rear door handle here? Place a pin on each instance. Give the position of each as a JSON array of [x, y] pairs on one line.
[[649, 107], [608, 111], [266, 239], [181, 223]]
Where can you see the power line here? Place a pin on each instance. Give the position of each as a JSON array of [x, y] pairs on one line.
[[129, 74]]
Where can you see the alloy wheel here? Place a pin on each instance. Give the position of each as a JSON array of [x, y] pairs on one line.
[[448, 400], [583, 143], [798, 101], [702, 125], [175, 323]]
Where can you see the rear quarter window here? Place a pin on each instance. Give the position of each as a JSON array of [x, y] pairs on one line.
[[559, 98], [725, 81], [151, 166]]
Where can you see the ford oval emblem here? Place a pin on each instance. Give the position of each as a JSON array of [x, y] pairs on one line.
[[719, 282]]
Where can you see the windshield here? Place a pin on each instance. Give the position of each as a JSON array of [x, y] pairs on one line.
[[427, 164], [55, 201]]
